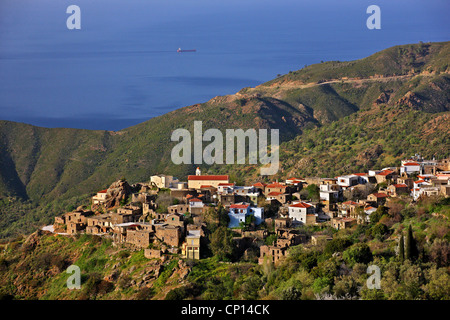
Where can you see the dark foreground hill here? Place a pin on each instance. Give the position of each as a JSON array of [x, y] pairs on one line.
[[332, 117]]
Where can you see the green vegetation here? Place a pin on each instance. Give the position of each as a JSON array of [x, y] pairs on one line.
[[35, 267], [327, 129]]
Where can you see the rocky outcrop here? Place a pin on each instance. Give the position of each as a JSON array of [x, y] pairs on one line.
[[411, 100], [117, 192]]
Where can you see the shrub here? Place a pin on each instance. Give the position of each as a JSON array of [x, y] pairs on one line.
[[145, 294], [337, 245], [358, 253]]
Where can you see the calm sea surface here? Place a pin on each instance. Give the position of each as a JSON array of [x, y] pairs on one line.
[[122, 67]]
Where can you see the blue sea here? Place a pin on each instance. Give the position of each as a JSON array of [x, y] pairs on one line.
[[121, 68]]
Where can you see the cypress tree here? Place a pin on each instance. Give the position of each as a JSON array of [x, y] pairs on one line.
[[411, 247], [401, 249]]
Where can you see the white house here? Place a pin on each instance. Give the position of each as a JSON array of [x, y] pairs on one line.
[[368, 211], [299, 211], [164, 181], [238, 213], [373, 173], [410, 168], [225, 188], [195, 203], [100, 197], [330, 192], [347, 180], [363, 178]]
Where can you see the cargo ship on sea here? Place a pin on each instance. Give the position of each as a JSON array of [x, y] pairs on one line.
[[183, 50]]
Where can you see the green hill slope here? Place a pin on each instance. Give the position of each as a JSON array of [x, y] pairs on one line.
[[325, 111]]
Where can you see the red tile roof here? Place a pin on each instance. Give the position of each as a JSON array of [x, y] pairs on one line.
[[225, 184], [380, 195], [239, 206], [411, 164], [301, 205], [103, 191], [352, 203], [360, 174], [195, 200], [400, 185], [419, 181], [208, 177], [385, 172], [275, 185], [274, 193], [259, 184]]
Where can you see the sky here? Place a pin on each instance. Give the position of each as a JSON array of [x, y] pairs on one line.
[[121, 68]]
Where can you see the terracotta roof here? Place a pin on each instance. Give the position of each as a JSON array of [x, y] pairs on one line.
[[275, 185], [259, 184], [225, 184], [419, 181], [274, 193], [380, 195], [352, 203], [195, 200], [400, 185], [385, 172], [360, 174], [411, 164], [208, 177], [301, 205], [239, 206], [103, 191]]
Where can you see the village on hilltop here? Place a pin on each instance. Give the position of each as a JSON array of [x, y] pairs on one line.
[[131, 216]]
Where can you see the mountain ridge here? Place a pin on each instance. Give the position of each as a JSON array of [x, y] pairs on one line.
[[55, 167]]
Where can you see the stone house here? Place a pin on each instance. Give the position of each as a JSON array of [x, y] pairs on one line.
[[153, 253], [385, 175], [317, 239], [75, 227], [278, 196], [377, 198], [171, 235], [99, 224], [289, 237], [175, 219], [273, 253], [343, 223], [398, 189], [139, 238], [349, 208], [406, 180], [275, 187], [178, 208], [282, 223]]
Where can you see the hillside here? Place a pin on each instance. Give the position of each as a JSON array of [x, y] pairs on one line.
[[330, 108], [34, 267]]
